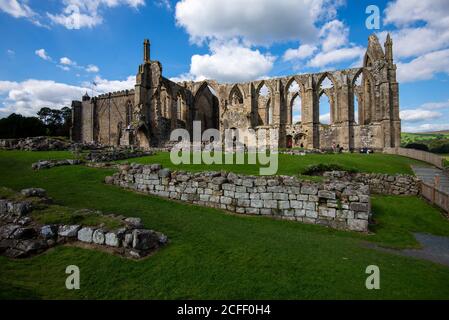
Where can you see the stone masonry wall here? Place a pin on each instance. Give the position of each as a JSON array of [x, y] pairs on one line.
[[404, 185], [340, 205]]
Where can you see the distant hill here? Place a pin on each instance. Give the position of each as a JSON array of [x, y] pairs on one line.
[[437, 142]]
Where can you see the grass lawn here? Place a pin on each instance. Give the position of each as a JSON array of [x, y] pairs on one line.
[[214, 255], [295, 165]]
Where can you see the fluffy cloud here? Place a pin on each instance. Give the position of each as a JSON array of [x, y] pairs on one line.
[[104, 85], [407, 12], [255, 21], [422, 35], [29, 96], [426, 127], [66, 61], [17, 9], [424, 67], [41, 53], [230, 62], [92, 68], [333, 47], [78, 14], [415, 115], [324, 59], [304, 51]]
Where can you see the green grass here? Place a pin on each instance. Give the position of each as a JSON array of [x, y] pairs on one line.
[[214, 255], [295, 165], [407, 138], [56, 214]]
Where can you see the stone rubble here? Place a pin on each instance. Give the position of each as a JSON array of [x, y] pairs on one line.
[[47, 164], [21, 237]]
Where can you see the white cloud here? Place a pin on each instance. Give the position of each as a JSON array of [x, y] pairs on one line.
[[325, 118], [254, 21], [424, 67], [30, 96], [92, 68], [104, 85], [334, 35], [333, 47], [304, 51], [415, 115], [427, 127], [41, 53], [422, 33], [78, 14], [66, 61], [407, 12], [324, 59], [230, 62], [436, 105], [10, 53], [17, 9]]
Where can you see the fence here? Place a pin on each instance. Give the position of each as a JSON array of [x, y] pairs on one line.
[[435, 196], [434, 159]]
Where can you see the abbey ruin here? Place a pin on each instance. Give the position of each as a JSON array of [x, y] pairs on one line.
[[364, 107]]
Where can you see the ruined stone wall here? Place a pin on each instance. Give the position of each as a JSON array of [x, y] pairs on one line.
[[111, 116], [87, 119], [340, 205], [404, 185], [230, 105]]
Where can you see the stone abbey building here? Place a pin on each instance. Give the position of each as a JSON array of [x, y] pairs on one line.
[[364, 107]]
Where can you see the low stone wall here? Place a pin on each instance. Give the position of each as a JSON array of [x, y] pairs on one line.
[[340, 205], [115, 154], [384, 184]]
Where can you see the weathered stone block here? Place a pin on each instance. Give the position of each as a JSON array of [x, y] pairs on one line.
[[98, 237], [85, 235]]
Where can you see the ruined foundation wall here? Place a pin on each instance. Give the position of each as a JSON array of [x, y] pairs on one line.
[[340, 205]]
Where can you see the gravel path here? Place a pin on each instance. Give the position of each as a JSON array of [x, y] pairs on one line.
[[427, 174], [435, 249]]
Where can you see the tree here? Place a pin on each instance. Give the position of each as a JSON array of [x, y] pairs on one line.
[[18, 126], [57, 121]]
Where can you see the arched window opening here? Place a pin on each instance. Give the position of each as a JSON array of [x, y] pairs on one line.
[[296, 107], [207, 107], [325, 108], [357, 99], [264, 106], [236, 96], [294, 103]]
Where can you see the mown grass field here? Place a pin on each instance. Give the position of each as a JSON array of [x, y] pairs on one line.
[[215, 255], [294, 165]]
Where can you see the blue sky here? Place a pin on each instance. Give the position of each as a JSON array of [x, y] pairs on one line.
[[51, 50]]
